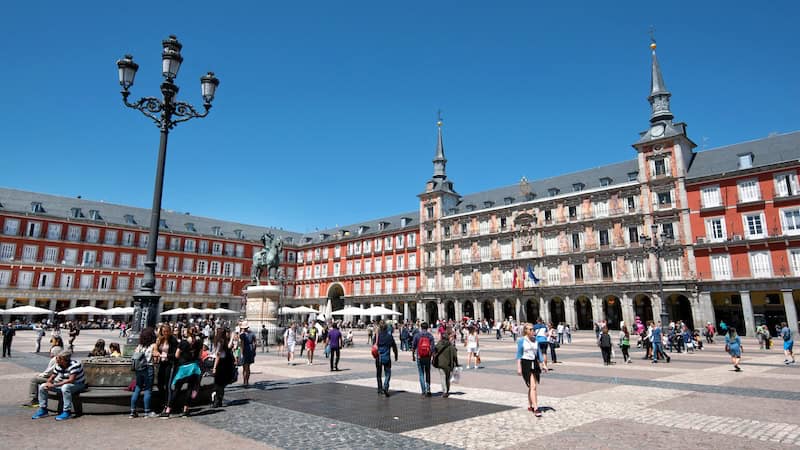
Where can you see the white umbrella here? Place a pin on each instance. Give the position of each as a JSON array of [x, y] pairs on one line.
[[286, 310], [221, 311], [117, 311], [349, 311], [83, 310], [174, 312], [27, 309], [305, 310], [194, 311], [380, 311]]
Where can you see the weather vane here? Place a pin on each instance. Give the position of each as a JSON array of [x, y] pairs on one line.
[[652, 37], [439, 117]]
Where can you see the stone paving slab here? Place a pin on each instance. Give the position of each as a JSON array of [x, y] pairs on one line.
[[773, 410]]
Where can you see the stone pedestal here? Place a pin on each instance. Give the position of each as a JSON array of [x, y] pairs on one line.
[[262, 309]]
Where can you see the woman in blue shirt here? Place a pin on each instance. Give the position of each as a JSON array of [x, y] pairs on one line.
[[528, 365], [734, 346]]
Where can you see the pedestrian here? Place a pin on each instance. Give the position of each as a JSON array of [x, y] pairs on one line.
[[528, 366], [248, 344], [625, 344], [8, 336], [334, 343], [303, 338], [788, 344], [187, 373], [74, 331], [264, 339], [39, 330], [224, 366], [167, 345], [560, 332], [733, 345], [446, 360], [658, 345], [604, 342], [552, 342], [568, 332], [290, 338], [709, 333], [540, 330], [421, 351], [384, 341], [311, 344], [144, 371], [472, 344]]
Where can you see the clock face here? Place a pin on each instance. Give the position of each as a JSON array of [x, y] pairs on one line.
[[657, 130]]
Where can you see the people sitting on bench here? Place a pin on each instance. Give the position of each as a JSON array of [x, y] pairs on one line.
[[42, 377], [67, 377]]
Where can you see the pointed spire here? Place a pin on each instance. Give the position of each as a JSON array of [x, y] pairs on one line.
[[659, 95], [439, 161]]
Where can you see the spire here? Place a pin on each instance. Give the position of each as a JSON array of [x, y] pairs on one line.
[[659, 95], [439, 161]]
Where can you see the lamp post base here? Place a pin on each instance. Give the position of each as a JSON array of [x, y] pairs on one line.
[[145, 314]]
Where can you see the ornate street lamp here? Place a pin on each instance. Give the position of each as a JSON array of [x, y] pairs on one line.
[[658, 245], [166, 113]]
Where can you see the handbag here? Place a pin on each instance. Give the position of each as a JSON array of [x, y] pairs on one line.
[[375, 353]]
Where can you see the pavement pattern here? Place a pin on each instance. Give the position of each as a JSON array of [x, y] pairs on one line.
[[697, 400]]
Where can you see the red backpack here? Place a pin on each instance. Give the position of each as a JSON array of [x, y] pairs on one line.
[[424, 347]]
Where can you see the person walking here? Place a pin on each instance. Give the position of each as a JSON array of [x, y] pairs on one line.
[[604, 342], [552, 342], [39, 330], [8, 336], [788, 344], [144, 371], [248, 342], [290, 338], [383, 363], [264, 339], [625, 343], [733, 344], [445, 359], [540, 330], [311, 344], [528, 366], [421, 351], [658, 345], [74, 331], [224, 366], [334, 344]]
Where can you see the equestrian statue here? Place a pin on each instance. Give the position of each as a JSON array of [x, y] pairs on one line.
[[267, 258]]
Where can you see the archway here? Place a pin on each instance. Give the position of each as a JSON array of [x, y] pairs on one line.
[[336, 296], [583, 308], [450, 310], [679, 308], [643, 308], [412, 311], [612, 310], [728, 309], [488, 310], [469, 309], [532, 310], [432, 312], [509, 310], [557, 313]]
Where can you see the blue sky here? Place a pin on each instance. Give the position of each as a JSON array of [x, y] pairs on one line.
[[326, 110]]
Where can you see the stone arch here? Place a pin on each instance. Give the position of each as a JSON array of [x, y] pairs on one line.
[[468, 309], [643, 308], [612, 311], [509, 310], [487, 308], [532, 310], [450, 310], [336, 296], [557, 311], [432, 310], [583, 313], [680, 308]]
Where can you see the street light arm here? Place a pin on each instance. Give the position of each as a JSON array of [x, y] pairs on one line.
[[184, 111], [149, 106]]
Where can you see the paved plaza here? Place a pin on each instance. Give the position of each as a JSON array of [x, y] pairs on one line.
[[695, 401]]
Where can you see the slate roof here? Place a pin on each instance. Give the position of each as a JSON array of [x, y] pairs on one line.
[[392, 223], [766, 151]]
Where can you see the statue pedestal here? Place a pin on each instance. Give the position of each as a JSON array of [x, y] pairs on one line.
[[262, 309]]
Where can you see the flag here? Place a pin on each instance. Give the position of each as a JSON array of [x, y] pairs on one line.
[[532, 275], [514, 280]]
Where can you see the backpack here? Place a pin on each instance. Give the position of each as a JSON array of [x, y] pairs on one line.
[[424, 347], [138, 360], [605, 340]]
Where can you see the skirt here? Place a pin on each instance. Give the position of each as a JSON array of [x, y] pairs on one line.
[[530, 367], [185, 371]]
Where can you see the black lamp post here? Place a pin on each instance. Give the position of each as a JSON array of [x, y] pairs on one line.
[[658, 245], [166, 113]]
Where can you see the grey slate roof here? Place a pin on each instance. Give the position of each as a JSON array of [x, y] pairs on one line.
[[392, 223], [766, 151], [59, 206]]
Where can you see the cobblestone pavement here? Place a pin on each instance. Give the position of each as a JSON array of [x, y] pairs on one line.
[[695, 401]]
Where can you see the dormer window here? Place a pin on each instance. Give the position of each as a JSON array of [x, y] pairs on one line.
[[577, 187], [323, 236], [75, 213], [190, 227], [344, 233], [382, 225], [530, 196], [404, 221], [216, 231], [162, 223], [238, 233], [633, 176], [605, 181], [470, 207], [453, 211], [745, 161], [362, 229], [288, 239], [308, 239], [36, 207], [488, 204], [508, 200], [553, 192], [94, 214], [129, 220]]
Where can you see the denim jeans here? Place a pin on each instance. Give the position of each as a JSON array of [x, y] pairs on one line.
[[424, 370], [387, 370], [656, 350], [66, 393], [144, 385]]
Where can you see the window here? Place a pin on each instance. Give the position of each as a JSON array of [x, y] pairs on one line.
[[399, 241], [600, 209], [357, 268], [483, 227], [786, 184], [140, 261], [551, 245], [25, 280], [748, 191], [607, 270], [5, 278], [108, 259], [237, 269], [388, 263], [401, 285], [578, 270], [605, 181], [400, 262], [603, 238], [186, 286], [429, 212], [671, 268], [11, 227], [336, 269], [464, 228], [576, 241], [54, 231], [447, 280], [760, 266], [387, 242], [412, 261], [664, 199], [790, 219], [127, 238], [548, 216], [46, 280], [144, 238], [631, 203], [162, 243], [104, 283], [667, 231], [202, 267], [754, 225], [637, 270], [573, 212], [715, 229], [429, 234], [124, 260], [348, 268], [51, 255], [710, 197], [70, 256], [29, 253], [486, 252], [87, 282], [67, 281], [213, 287], [486, 280], [203, 247], [505, 250], [378, 265], [200, 287], [721, 267], [794, 261], [577, 187], [34, 229], [89, 257], [123, 283], [660, 166], [412, 240], [111, 237], [227, 269], [378, 286], [92, 235], [633, 176], [633, 235], [216, 248], [74, 233], [226, 287], [553, 276], [745, 161]]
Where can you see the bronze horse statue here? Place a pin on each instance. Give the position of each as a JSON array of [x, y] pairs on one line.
[[268, 258]]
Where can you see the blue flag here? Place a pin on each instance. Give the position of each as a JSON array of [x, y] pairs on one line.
[[532, 275]]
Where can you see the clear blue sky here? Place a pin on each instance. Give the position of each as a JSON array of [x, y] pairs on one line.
[[325, 113]]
